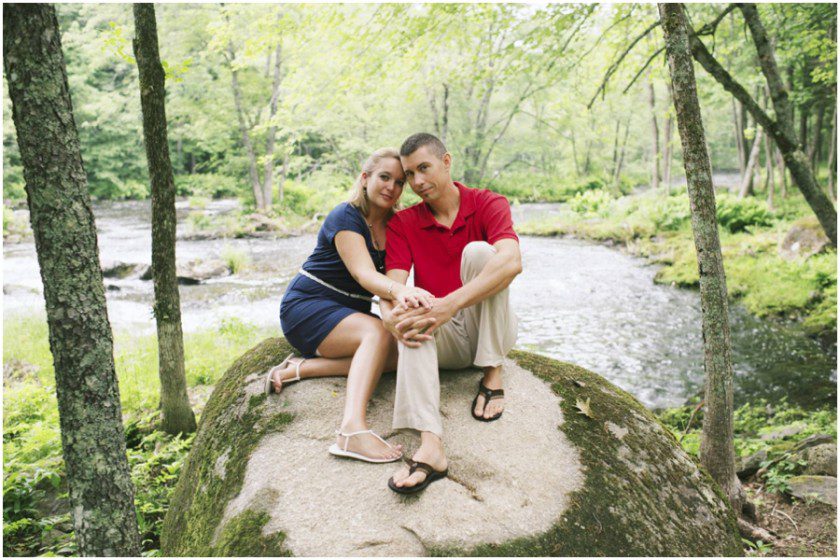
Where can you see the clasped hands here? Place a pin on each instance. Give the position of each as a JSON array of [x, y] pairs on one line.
[[417, 315]]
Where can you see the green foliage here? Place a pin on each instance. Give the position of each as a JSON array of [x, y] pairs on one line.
[[592, 203], [753, 422], [530, 187], [668, 214], [739, 214], [237, 260], [212, 185], [319, 194], [35, 502]]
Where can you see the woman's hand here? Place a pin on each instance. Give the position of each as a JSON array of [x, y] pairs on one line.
[[410, 296]]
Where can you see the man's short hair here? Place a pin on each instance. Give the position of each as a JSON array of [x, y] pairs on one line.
[[417, 141]]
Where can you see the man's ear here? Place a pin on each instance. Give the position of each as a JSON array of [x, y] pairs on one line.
[[447, 160]]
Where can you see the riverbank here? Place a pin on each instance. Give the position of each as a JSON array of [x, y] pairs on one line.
[[768, 282]]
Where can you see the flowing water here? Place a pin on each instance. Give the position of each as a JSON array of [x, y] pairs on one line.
[[577, 301]]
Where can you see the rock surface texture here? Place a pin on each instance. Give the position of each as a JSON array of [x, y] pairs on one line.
[[544, 480]]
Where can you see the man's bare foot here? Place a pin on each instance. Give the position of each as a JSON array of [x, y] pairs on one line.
[[492, 380], [367, 444], [430, 452]]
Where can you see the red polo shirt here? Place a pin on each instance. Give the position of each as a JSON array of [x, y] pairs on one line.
[[416, 238]]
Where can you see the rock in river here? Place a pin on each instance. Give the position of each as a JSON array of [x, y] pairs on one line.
[[544, 480]]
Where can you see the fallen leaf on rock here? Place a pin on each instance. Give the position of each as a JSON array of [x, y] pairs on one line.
[[583, 408]]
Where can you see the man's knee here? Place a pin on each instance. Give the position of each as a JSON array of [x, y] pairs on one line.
[[475, 256]]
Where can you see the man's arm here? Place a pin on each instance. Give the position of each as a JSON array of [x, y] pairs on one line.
[[496, 275]]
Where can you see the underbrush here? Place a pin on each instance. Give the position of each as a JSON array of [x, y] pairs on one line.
[[775, 429], [36, 516], [658, 227]]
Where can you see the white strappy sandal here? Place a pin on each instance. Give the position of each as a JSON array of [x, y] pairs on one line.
[[341, 451], [269, 385]]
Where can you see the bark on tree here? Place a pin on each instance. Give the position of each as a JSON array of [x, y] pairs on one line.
[[780, 164], [717, 452], [268, 170], [770, 182], [253, 174], [90, 415], [781, 129], [737, 114], [747, 179], [622, 151], [832, 157], [177, 416], [654, 129], [816, 146]]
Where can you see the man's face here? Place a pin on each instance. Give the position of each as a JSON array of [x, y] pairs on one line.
[[427, 174]]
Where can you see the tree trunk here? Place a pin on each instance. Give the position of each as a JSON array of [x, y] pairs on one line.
[[617, 176], [256, 186], [739, 135], [654, 129], [770, 183], [177, 415], [780, 163], [747, 179], [669, 146], [615, 147], [782, 128], [268, 170], [717, 452], [444, 129], [574, 154], [90, 415], [816, 145], [832, 157]]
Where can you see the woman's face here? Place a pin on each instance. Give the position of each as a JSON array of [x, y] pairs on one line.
[[385, 183]]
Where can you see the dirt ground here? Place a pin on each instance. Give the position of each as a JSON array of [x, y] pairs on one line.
[[802, 528]]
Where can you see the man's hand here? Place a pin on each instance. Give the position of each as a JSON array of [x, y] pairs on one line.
[[442, 311], [417, 317]]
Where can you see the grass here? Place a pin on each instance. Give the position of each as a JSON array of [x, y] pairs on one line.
[[658, 227], [35, 509]]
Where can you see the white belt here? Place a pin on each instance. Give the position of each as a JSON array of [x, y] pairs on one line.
[[342, 292]]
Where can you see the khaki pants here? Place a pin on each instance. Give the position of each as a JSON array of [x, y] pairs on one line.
[[482, 335]]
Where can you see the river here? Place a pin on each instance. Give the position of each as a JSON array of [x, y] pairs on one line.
[[577, 301]]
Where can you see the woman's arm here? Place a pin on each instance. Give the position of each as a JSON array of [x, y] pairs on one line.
[[353, 252]]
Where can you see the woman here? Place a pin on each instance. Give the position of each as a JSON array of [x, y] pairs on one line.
[[326, 310]]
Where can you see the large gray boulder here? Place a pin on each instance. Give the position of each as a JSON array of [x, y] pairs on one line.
[[805, 239], [544, 480]]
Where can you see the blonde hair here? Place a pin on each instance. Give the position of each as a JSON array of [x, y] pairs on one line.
[[358, 196]]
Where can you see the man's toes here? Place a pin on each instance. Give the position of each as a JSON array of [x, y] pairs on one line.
[[414, 479], [479, 406], [493, 409]]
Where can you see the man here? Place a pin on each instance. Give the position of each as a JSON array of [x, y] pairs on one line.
[[464, 251]]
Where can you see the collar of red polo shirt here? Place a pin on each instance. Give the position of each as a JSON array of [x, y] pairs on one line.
[[466, 208]]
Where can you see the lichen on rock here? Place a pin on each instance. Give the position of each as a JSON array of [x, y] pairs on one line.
[[543, 480]]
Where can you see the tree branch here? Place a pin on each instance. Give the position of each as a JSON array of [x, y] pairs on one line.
[[614, 66], [710, 28], [642, 69]]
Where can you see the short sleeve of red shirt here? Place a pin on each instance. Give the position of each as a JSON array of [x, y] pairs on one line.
[[495, 219], [397, 250]]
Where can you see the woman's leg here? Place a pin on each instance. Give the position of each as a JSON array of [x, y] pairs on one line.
[[373, 349]]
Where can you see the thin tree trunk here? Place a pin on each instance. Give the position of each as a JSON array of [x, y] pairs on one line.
[[739, 135], [780, 163], [816, 145], [669, 146], [444, 128], [717, 452], [617, 176], [268, 170], [256, 186], [654, 129], [178, 417], [574, 154], [770, 183], [89, 410], [782, 128], [747, 180], [832, 157], [283, 177], [615, 147]]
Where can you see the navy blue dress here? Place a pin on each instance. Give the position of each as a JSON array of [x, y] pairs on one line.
[[310, 311]]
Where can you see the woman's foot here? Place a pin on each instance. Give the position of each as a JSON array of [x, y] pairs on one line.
[[492, 380], [367, 444], [286, 372], [431, 453]]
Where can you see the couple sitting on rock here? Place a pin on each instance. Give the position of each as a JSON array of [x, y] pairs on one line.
[[465, 254]]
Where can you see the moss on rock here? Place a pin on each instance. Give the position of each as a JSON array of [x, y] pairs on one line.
[[232, 424], [642, 495]]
